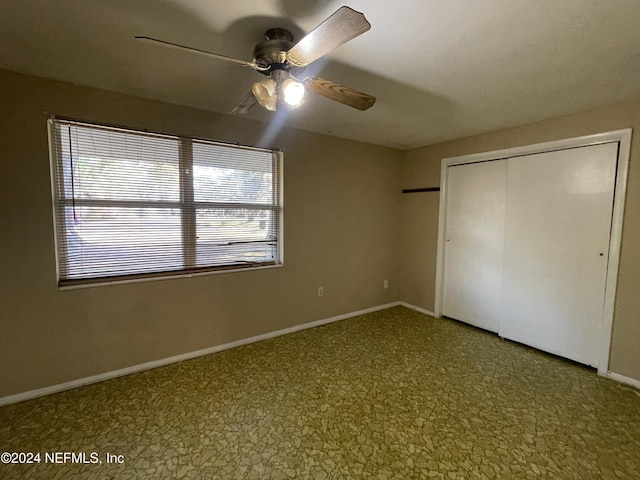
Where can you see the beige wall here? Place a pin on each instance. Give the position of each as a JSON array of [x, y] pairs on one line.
[[342, 217], [347, 228], [422, 169]]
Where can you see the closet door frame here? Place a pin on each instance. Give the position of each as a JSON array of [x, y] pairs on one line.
[[623, 138]]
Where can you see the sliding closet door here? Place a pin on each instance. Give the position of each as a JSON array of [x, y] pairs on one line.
[[474, 240], [557, 229]]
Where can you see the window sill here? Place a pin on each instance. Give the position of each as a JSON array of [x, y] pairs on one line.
[[157, 277]]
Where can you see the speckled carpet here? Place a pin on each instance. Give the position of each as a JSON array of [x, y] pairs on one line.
[[392, 394]]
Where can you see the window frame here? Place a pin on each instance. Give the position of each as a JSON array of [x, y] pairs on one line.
[[187, 204]]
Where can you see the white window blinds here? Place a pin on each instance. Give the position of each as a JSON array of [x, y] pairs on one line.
[[130, 204]]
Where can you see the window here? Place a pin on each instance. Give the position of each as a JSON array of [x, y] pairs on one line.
[[130, 204]]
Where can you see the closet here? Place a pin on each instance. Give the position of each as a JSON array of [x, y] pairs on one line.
[[525, 244], [474, 243]]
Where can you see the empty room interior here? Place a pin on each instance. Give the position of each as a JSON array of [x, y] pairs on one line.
[[319, 239]]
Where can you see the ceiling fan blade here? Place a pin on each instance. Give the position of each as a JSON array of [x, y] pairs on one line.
[[343, 25], [245, 104], [340, 93], [217, 56]]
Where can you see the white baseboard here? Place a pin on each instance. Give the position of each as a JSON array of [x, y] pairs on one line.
[[41, 392], [622, 379], [61, 387], [417, 309]]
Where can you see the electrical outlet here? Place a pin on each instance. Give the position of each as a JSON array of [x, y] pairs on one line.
[[386, 284], [321, 291]]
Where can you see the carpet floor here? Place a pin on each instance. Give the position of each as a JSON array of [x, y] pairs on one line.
[[391, 394]]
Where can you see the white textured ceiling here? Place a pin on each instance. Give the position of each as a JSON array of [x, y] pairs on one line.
[[440, 69]]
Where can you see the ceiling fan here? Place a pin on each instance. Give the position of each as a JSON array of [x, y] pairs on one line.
[[283, 63]]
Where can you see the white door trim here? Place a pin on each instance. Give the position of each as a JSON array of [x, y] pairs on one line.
[[623, 137]]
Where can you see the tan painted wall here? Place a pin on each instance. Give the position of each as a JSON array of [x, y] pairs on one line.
[[342, 217], [422, 169], [343, 212]]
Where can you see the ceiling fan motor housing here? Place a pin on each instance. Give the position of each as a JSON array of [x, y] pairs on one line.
[[271, 54]]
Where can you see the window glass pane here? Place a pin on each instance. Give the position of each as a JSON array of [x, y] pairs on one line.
[[114, 165], [138, 203], [232, 175], [107, 241], [230, 236]]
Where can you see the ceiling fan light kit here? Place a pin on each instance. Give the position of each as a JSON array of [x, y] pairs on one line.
[[266, 93], [283, 63], [293, 92], [277, 88]]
